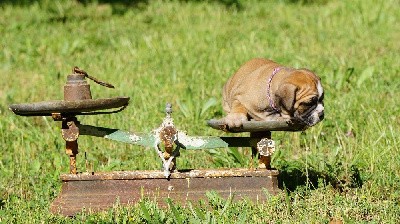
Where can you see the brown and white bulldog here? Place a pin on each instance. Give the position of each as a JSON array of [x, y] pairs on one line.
[[264, 90]]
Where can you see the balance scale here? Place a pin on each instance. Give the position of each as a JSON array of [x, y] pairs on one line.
[[95, 191]]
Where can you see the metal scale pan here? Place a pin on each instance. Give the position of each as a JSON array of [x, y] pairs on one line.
[[259, 126], [77, 107]]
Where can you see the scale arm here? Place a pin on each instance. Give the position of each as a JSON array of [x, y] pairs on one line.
[[212, 142], [142, 139], [149, 140]]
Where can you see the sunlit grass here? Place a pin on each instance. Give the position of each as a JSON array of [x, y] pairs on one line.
[[182, 52]]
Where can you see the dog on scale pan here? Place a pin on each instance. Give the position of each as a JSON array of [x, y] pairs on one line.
[[264, 90]]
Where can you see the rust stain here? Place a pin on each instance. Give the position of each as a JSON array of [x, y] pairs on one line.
[[155, 174]]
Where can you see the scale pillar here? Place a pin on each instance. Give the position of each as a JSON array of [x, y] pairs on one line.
[[261, 139], [76, 88], [70, 133], [71, 149]]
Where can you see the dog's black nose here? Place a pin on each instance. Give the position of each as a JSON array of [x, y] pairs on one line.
[[321, 115]]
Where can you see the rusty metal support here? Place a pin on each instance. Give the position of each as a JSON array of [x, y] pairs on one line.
[[264, 161], [71, 149], [167, 135], [75, 89], [70, 133], [100, 191]]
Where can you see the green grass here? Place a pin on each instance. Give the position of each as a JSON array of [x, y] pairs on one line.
[[347, 167]]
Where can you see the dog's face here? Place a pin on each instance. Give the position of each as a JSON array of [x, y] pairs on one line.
[[303, 97], [311, 108]]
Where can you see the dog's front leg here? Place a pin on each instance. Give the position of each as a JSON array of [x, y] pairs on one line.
[[237, 115]]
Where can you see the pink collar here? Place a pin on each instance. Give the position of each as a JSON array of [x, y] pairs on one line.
[[271, 102]]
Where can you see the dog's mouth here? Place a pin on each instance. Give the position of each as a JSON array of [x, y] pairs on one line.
[[310, 121], [311, 118]]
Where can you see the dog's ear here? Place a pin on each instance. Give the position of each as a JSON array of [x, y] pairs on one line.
[[286, 97]]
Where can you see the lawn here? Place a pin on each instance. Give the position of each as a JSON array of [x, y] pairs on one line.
[[346, 168]]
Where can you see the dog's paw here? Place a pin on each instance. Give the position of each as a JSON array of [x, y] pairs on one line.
[[235, 119]]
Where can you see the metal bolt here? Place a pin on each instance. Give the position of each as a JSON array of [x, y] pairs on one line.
[[266, 147], [168, 109]]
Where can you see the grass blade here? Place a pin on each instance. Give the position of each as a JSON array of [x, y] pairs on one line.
[[177, 215], [366, 74], [210, 103], [145, 211]]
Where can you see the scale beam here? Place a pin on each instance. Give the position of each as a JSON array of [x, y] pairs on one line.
[[150, 139]]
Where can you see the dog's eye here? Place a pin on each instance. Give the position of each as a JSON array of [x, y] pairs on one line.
[[311, 102], [314, 99]]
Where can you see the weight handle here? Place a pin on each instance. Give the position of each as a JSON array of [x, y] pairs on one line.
[[80, 71]]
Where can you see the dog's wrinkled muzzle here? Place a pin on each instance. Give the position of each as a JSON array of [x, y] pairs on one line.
[[312, 116]]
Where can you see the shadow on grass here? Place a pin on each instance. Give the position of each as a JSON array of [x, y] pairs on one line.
[[2, 203], [121, 6], [291, 179], [308, 2]]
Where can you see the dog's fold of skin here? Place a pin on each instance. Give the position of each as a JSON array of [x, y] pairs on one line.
[[296, 93]]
